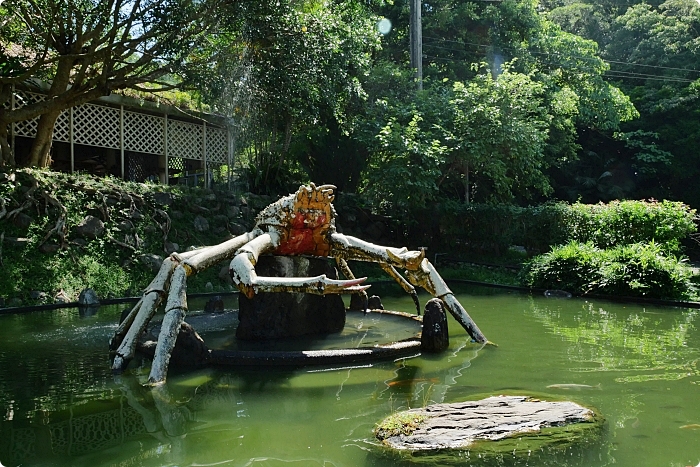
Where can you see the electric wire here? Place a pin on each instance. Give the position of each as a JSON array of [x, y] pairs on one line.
[[619, 62], [610, 73]]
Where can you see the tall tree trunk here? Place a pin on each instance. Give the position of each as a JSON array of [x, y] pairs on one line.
[[466, 186], [40, 155], [6, 157]]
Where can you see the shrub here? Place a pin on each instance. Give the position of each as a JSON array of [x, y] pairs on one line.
[[636, 270], [665, 223], [485, 227], [574, 267]]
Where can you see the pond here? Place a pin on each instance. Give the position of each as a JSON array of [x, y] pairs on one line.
[[60, 405]]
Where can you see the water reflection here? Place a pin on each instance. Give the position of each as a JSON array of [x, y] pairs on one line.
[[60, 405], [213, 417], [640, 346]]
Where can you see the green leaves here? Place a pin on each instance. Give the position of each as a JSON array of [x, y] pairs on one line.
[[500, 131], [633, 270]]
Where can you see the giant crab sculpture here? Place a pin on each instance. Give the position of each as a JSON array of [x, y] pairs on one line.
[[302, 223]]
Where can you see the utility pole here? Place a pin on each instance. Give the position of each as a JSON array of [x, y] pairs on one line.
[[416, 33]]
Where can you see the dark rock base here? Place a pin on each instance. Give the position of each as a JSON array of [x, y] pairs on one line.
[[279, 315]]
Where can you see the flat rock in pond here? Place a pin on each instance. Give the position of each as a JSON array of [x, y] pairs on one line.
[[464, 424]]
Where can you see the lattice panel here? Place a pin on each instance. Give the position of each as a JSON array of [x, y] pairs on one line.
[[135, 169], [23, 447], [176, 164], [217, 145], [144, 133], [184, 140], [96, 125], [27, 127], [92, 432], [61, 131]]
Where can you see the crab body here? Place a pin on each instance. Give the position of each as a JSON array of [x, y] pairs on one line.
[[302, 223]]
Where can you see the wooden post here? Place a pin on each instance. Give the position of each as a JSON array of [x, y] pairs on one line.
[[165, 151], [72, 147], [12, 125], [416, 37], [121, 137], [229, 155], [204, 154]]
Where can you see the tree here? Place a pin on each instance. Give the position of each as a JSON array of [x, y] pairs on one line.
[[291, 74], [500, 132], [86, 49], [655, 58]]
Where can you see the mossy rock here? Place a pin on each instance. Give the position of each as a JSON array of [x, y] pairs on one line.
[[508, 430]]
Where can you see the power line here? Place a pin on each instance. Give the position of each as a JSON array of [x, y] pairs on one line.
[[557, 54], [609, 73]]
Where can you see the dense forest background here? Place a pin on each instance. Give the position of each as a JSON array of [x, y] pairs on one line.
[[522, 101]]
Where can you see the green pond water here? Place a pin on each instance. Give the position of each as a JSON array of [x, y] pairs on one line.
[[61, 406]]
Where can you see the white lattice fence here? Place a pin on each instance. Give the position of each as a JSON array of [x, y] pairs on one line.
[[28, 128], [103, 126], [217, 145], [96, 125], [185, 140], [144, 133]]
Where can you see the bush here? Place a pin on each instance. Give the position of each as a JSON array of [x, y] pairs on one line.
[[636, 270], [665, 223], [574, 267], [493, 228]]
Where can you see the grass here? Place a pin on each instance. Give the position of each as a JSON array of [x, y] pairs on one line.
[[399, 423], [111, 269]]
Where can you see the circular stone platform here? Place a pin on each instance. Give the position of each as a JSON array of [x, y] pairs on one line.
[[191, 350], [516, 425]]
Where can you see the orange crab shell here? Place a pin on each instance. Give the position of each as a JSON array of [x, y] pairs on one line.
[[307, 226]]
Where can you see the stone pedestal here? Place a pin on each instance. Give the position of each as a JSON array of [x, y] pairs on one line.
[[435, 336], [279, 315]]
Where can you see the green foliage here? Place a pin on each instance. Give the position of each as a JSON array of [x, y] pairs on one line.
[[267, 177], [399, 423], [665, 223], [574, 267], [634, 270], [500, 130], [406, 156], [111, 269], [493, 228]]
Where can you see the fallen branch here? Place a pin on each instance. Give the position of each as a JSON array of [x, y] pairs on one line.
[[30, 200], [164, 227], [60, 226], [122, 244]]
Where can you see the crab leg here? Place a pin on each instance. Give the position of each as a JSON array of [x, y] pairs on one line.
[[419, 270], [214, 254], [345, 269], [389, 269], [175, 311], [127, 334], [249, 283], [427, 277], [347, 247], [147, 308]]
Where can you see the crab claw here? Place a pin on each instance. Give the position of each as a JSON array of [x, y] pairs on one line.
[[335, 286], [427, 277], [409, 259], [414, 296]]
